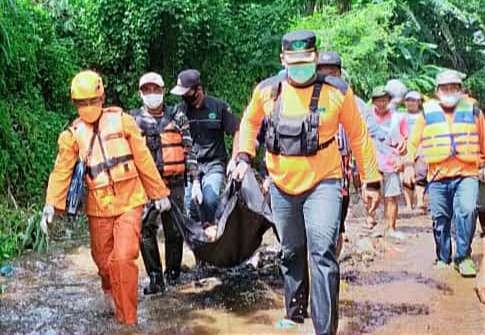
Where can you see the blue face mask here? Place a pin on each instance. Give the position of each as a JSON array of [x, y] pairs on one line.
[[301, 73]]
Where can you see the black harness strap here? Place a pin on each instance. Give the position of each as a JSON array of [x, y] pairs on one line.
[[317, 88], [325, 144], [94, 171]]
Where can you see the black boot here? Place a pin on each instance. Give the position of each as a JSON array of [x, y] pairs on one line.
[[173, 252], [151, 256], [172, 276], [156, 285]]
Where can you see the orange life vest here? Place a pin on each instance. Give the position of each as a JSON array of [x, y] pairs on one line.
[[441, 141], [106, 152], [164, 140]]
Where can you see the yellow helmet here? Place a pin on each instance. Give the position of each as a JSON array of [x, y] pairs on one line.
[[86, 85]]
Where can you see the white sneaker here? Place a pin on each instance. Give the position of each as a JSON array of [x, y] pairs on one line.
[[395, 234]]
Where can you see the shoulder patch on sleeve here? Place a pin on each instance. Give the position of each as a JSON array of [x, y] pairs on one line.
[[336, 82]]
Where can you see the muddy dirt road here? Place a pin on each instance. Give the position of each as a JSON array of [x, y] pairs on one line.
[[388, 287]]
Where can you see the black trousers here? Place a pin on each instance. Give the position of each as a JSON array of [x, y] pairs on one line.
[[173, 238]]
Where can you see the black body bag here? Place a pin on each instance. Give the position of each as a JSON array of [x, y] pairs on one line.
[[242, 218]]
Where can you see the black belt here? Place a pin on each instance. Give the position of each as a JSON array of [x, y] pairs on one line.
[[325, 144], [94, 171]]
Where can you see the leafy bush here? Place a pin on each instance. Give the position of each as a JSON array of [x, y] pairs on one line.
[[411, 40], [13, 225], [35, 68], [232, 43]]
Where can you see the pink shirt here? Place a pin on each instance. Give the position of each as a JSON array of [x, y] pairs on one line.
[[395, 125]]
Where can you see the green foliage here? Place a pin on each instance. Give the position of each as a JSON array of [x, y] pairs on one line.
[[13, 224], [35, 67], [362, 36], [411, 40], [232, 43], [476, 83]]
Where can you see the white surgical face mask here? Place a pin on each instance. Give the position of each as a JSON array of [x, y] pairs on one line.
[[449, 100], [152, 101]]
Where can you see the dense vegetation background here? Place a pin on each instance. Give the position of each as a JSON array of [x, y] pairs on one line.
[[235, 43]]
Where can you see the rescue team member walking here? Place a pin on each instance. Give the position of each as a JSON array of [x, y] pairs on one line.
[[303, 111], [120, 175], [168, 137], [451, 132], [210, 118]]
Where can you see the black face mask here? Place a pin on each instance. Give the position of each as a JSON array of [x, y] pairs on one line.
[[190, 99]]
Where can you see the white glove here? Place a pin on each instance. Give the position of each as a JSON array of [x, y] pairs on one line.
[[240, 170], [266, 184], [162, 204], [47, 218], [196, 193], [230, 167]]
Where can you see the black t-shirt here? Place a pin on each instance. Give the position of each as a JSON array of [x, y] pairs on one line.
[[207, 127]]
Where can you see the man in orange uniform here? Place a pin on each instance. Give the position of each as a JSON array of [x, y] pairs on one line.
[[451, 136], [120, 175], [303, 111]]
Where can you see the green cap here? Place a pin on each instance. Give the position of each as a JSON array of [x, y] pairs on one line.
[[299, 41], [378, 92]]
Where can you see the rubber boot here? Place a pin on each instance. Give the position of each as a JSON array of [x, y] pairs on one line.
[[151, 254], [173, 260], [151, 258], [156, 285], [173, 251]]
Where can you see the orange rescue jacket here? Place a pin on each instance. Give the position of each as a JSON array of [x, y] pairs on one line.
[[164, 140], [121, 172]]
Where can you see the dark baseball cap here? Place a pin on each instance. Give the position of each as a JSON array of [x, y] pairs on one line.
[[299, 41], [185, 81], [329, 58], [299, 47]]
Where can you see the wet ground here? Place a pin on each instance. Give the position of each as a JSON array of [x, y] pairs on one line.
[[387, 287]]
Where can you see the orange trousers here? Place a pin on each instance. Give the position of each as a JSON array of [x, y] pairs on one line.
[[115, 247]]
